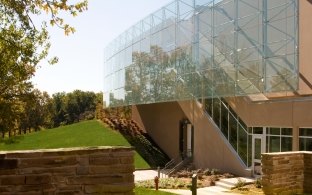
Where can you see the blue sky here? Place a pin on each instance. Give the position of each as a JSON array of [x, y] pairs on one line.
[[81, 55]]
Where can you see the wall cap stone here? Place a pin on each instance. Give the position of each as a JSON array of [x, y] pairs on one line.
[[73, 149], [286, 153]]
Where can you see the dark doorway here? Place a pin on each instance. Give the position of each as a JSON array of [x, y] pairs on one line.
[[185, 139]]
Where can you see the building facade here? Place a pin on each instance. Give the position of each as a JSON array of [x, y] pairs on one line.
[[220, 80]]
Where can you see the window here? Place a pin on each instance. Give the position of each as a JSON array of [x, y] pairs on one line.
[[305, 139], [279, 139]]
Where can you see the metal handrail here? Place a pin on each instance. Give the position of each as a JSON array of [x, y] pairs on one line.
[[178, 165], [168, 164]]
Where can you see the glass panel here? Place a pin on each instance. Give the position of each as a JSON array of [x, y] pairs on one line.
[[274, 131], [286, 131], [224, 120], [274, 143], [305, 132], [216, 111], [242, 144], [286, 144], [249, 150], [305, 144], [258, 149], [233, 132], [208, 106], [257, 130]]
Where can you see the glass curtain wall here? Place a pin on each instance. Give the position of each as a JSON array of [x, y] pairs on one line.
[[195, 48], [231, 126]]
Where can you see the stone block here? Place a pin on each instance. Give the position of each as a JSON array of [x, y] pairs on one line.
[[12, 180], [47, 162], [123, 154], [105, 179], [83, 170], [114, 168], [66, 170], [8, 163], [4, 189], [83, 161], [104, 160], [8, 171], [126, 160], [65, 187], [24, 154], [38, 179], [34, 188], [69, 192], [120, 188]]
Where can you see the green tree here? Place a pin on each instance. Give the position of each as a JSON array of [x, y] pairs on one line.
[[23, 45]]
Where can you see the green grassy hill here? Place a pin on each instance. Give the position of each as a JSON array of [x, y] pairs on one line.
[[87, 133]]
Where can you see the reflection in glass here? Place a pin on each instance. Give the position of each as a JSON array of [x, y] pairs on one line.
[[191, 49], [224, 120], [274, 143], [286, 144], [242, 144], [305, 144], [258, 149], [233, 131]]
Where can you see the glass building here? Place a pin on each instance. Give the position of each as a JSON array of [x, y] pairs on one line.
[[237, 71], [200, 48]]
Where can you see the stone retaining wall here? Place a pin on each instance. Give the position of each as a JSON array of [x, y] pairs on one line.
[[287, 172], [97, 170]]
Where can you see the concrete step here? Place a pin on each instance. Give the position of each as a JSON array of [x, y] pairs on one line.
[[213, 189], [230, 183], [224, 185]]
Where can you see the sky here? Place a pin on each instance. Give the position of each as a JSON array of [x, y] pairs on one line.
[[81, 55]]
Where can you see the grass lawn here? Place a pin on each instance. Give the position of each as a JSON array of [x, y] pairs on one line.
[[145, 191], [86, 133]]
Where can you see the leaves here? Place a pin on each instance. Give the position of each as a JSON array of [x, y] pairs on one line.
[[23, 45]]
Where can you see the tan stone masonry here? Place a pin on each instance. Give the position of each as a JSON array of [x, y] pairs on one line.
[[287, 172], [94, 170]]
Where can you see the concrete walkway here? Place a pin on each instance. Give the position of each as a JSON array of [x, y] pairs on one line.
[[141, 175], [213, 190]]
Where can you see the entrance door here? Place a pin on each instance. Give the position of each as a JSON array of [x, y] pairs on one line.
[[258, 147], [186, 139]]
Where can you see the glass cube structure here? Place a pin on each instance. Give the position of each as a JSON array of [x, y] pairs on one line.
[[192, 49]]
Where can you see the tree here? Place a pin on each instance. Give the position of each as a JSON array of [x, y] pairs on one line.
[[23, 45]]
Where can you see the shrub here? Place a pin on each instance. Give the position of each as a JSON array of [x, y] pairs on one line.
[[258, 183], [215, 171], [240, 183], [207, 172]]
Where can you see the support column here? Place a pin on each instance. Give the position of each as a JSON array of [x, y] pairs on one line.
[[295, 139]]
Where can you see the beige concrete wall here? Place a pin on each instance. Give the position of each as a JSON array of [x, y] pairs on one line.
[[210, 148], [305, 47], [96, 170], [161, 122], [293, 113], [284, 113]]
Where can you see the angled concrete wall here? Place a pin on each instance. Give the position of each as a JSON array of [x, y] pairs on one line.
[[161, 122], [211, 149]]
